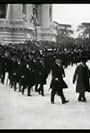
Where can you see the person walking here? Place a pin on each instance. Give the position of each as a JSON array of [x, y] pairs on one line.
[[81, 76], [57, 83]]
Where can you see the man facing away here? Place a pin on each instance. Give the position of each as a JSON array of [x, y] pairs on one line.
[[81, 76]]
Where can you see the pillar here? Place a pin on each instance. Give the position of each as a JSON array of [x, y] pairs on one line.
[[14, 12], [45, 19], [29, 11], [50, 12], [39, 14]]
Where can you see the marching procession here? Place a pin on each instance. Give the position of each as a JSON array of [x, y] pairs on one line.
[[28, 65]]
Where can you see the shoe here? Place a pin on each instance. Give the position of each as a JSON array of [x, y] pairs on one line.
[[84, 100], [29, 95], [65, 101], [52, 102], [79, 100], [42, 94]]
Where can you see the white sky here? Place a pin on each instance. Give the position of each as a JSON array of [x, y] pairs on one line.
[[72, 14]]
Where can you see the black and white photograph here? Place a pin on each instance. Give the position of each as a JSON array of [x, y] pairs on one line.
[[44, 66]]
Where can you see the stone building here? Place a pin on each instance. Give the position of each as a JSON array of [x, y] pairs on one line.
[[20, 22]]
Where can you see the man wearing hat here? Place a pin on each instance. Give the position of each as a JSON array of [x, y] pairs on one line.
[[81, 76], [57, 83]]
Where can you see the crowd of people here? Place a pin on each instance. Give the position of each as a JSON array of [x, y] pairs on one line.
[[29, 64]]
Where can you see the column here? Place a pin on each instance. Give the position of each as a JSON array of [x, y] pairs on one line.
[[39, 14], [14, 12], [45, 19], [29, 11], [50, 12]]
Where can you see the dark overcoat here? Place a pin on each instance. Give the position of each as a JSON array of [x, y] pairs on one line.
[[81, 76], [57, 77], [40, 73]]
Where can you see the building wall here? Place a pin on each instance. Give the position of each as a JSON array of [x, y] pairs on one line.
[[14, 12], [18, 27]]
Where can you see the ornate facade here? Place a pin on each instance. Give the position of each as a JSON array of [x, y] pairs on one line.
[[20, 22]]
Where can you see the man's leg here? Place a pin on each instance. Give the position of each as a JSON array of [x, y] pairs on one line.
[[83, 96], [24, 87], [52, 96], [29, 90], [36, 87], [80, 97], [41, 89], [62, 97], [20, 86]]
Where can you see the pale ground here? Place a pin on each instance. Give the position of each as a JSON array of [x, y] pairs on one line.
[[36, 112]]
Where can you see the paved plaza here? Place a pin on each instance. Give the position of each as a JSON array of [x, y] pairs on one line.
[[36, 112]]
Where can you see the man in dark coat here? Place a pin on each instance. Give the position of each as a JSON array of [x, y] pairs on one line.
[[43, 77], [40, 74], [57, 83], [81, 75], [3, 68]]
